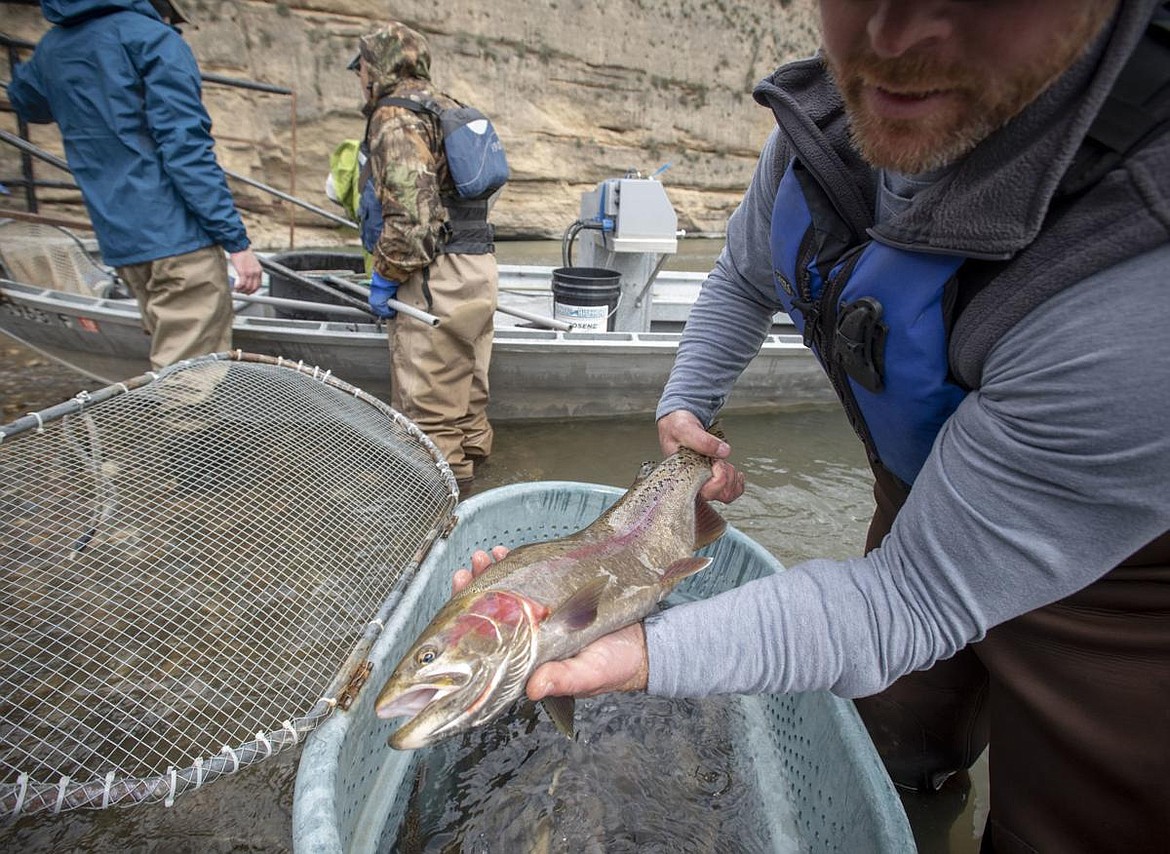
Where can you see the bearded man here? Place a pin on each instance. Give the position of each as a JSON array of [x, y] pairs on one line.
[[965, 206]]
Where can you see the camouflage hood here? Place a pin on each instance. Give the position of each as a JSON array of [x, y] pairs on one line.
[[394, 54]]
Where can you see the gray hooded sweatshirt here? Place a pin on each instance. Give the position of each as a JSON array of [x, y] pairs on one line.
[[1050, 473]]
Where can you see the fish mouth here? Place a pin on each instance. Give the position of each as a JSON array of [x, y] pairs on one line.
[[435, 708], [413, 701]]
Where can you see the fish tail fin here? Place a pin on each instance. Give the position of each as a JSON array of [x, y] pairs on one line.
[[716, 429], [709, 525], [561, 710]]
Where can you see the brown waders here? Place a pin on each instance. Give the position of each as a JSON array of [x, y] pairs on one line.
[[439, 375], [1075, 698], [186, 304]]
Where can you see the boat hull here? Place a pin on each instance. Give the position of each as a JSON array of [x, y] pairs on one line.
[[535, 373]]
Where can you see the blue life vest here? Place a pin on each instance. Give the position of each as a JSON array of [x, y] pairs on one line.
[[875, 318], [369, 210]]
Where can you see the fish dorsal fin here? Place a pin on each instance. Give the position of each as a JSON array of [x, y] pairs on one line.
[[644, 471], [561, 710], [709, 525], [580, 610], [682, 568], [716, 430]]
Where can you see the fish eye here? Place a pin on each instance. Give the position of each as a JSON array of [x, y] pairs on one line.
[[425, 655]]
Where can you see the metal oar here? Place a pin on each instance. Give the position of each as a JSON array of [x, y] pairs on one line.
[[409, 310], [303, 305], [549, 322], [280, 194]]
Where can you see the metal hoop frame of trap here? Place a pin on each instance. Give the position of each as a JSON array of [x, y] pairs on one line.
[[120, 515]]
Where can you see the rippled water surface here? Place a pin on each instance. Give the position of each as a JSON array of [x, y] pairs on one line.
[[645, 774]]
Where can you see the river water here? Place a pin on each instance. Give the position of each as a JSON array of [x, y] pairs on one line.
[[808, 495]]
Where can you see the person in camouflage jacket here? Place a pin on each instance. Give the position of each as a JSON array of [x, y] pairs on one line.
[[431, 249]]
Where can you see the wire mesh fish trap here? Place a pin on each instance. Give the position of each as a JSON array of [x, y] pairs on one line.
[[195, 563]]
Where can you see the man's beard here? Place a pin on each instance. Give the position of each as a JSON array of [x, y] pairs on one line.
[[974, 108]]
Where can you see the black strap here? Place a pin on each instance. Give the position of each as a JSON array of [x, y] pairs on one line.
[[427, 106], [1137, 107]]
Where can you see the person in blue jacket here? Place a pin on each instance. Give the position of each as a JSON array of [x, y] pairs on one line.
[[125, 91]]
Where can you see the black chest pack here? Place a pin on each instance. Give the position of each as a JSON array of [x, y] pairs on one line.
[[475, 155]]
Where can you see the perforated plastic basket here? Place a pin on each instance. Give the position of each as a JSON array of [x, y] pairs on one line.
[[813, 759]]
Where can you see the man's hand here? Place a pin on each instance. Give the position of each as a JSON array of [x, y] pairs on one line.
[[382, 290], [248, 271], [681, 429], [616, 662]]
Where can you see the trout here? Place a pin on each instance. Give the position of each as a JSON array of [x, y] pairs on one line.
[[546, 601]]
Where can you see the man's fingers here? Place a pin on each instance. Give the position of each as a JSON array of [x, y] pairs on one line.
[[553, 678], [726, 483], [480, 561], [682, 429], [459, 580]]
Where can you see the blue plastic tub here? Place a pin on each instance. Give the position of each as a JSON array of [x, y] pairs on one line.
[[817, 769]]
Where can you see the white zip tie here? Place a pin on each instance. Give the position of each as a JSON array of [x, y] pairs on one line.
[[106, 793], [296, 738], [198, 772], [22, 782], [40, 422], [60, 795], [267, 744], [170, 799], [235, 759]]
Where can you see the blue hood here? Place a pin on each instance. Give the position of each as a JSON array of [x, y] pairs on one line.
[[66, 13]]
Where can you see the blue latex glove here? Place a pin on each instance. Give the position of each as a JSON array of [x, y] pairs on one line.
[[382, 289]]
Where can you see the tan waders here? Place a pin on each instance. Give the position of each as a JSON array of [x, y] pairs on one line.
[[439, 375], [186, 304]]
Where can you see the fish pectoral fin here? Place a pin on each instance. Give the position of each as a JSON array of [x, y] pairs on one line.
[[561, 710], [580, 610], [680, 569], [709, 525]]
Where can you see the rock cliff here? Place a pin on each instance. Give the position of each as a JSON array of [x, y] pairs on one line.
[[580, 90]]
